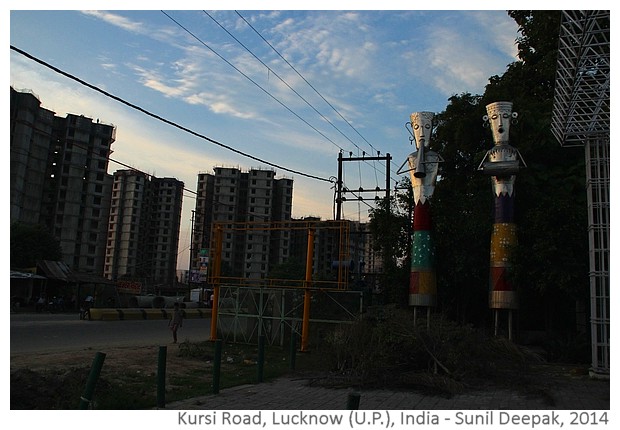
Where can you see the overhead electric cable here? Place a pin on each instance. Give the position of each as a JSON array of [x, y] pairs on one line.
[[305, 80], [249, 79], [311, 86], [291, 88], [138, 108], [94, 155]]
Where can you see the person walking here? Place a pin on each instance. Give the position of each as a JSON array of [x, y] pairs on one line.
[[176, 321], [85, 308]]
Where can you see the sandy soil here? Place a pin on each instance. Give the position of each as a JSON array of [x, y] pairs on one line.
[[40, 381]]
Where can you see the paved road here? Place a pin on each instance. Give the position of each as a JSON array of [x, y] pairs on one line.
[[48, 332], [32, 332]]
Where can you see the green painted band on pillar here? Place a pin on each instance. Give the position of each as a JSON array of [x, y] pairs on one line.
[[423, 251]]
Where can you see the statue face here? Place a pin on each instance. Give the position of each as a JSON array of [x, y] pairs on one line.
[[499, 115], [422, 124]]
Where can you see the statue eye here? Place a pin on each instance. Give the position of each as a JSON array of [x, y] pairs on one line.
[[427, 126], [505, 115], [494, 116], [416, 126]]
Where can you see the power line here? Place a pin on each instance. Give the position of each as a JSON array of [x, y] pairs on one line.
[[373, 166], [138, 108], [305, 80], [283, 81], [94, 155], [250, 79], [315, 90]]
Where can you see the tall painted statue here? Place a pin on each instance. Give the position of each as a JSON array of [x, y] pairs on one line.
[[502, 163], [423, 167]]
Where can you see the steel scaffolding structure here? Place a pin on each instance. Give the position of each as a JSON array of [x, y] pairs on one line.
[[245, 308], [581, 116]]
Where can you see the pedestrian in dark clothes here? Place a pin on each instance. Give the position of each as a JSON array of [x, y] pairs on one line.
[[176, 321]]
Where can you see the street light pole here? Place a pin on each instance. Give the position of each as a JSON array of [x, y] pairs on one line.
[[191, 255]]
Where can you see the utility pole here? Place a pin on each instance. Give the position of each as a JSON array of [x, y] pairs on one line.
[[191, 256], [340, 190]]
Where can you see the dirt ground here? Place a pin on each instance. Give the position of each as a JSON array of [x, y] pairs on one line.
[[45, 380], [126, 358], [55, 380]]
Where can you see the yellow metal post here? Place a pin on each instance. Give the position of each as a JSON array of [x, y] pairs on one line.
[[217, 264], [305, 326]]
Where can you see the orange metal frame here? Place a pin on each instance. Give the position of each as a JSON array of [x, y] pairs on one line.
[[307, 283]]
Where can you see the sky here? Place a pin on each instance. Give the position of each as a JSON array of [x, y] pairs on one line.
[[280, 89]]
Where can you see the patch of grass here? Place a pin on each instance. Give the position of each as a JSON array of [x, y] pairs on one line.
[[135, 386], [238, 366]]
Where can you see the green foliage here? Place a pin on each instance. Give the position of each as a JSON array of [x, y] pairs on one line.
[[461, 211], [390, 227], [31, 243], [550, 208], [290, 269]]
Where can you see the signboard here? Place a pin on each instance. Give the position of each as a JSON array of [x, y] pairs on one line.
[[130, 287]]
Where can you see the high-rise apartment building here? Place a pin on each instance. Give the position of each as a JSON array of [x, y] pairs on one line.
[[255, 197], [59, 178], [143, 231], [338, 246]]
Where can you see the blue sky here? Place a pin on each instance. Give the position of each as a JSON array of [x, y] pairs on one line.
[[368, 70]]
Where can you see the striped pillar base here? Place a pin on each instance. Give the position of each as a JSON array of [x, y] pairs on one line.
[[502, 294], [422, 281]]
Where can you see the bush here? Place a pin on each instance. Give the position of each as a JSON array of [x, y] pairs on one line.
[[386, 348]]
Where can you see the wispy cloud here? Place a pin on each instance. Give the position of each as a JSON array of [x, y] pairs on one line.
[[450, 59], [117, 20]]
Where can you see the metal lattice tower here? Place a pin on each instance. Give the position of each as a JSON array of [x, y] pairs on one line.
[[581, 116]]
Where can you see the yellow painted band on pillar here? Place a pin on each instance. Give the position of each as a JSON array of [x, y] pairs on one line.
[[503, 239], [423, 283]]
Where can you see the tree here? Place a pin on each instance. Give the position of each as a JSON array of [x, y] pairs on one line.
[[390, 231], [290, 269], [551, 259], [461, 211], [31, 243]]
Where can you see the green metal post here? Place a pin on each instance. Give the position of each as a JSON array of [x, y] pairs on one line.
[[161, 377], [91, 382], [293, 351], [353, 401], [217, 361], [261, 359]]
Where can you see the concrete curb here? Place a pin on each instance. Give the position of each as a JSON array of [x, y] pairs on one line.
[[118, 314]]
